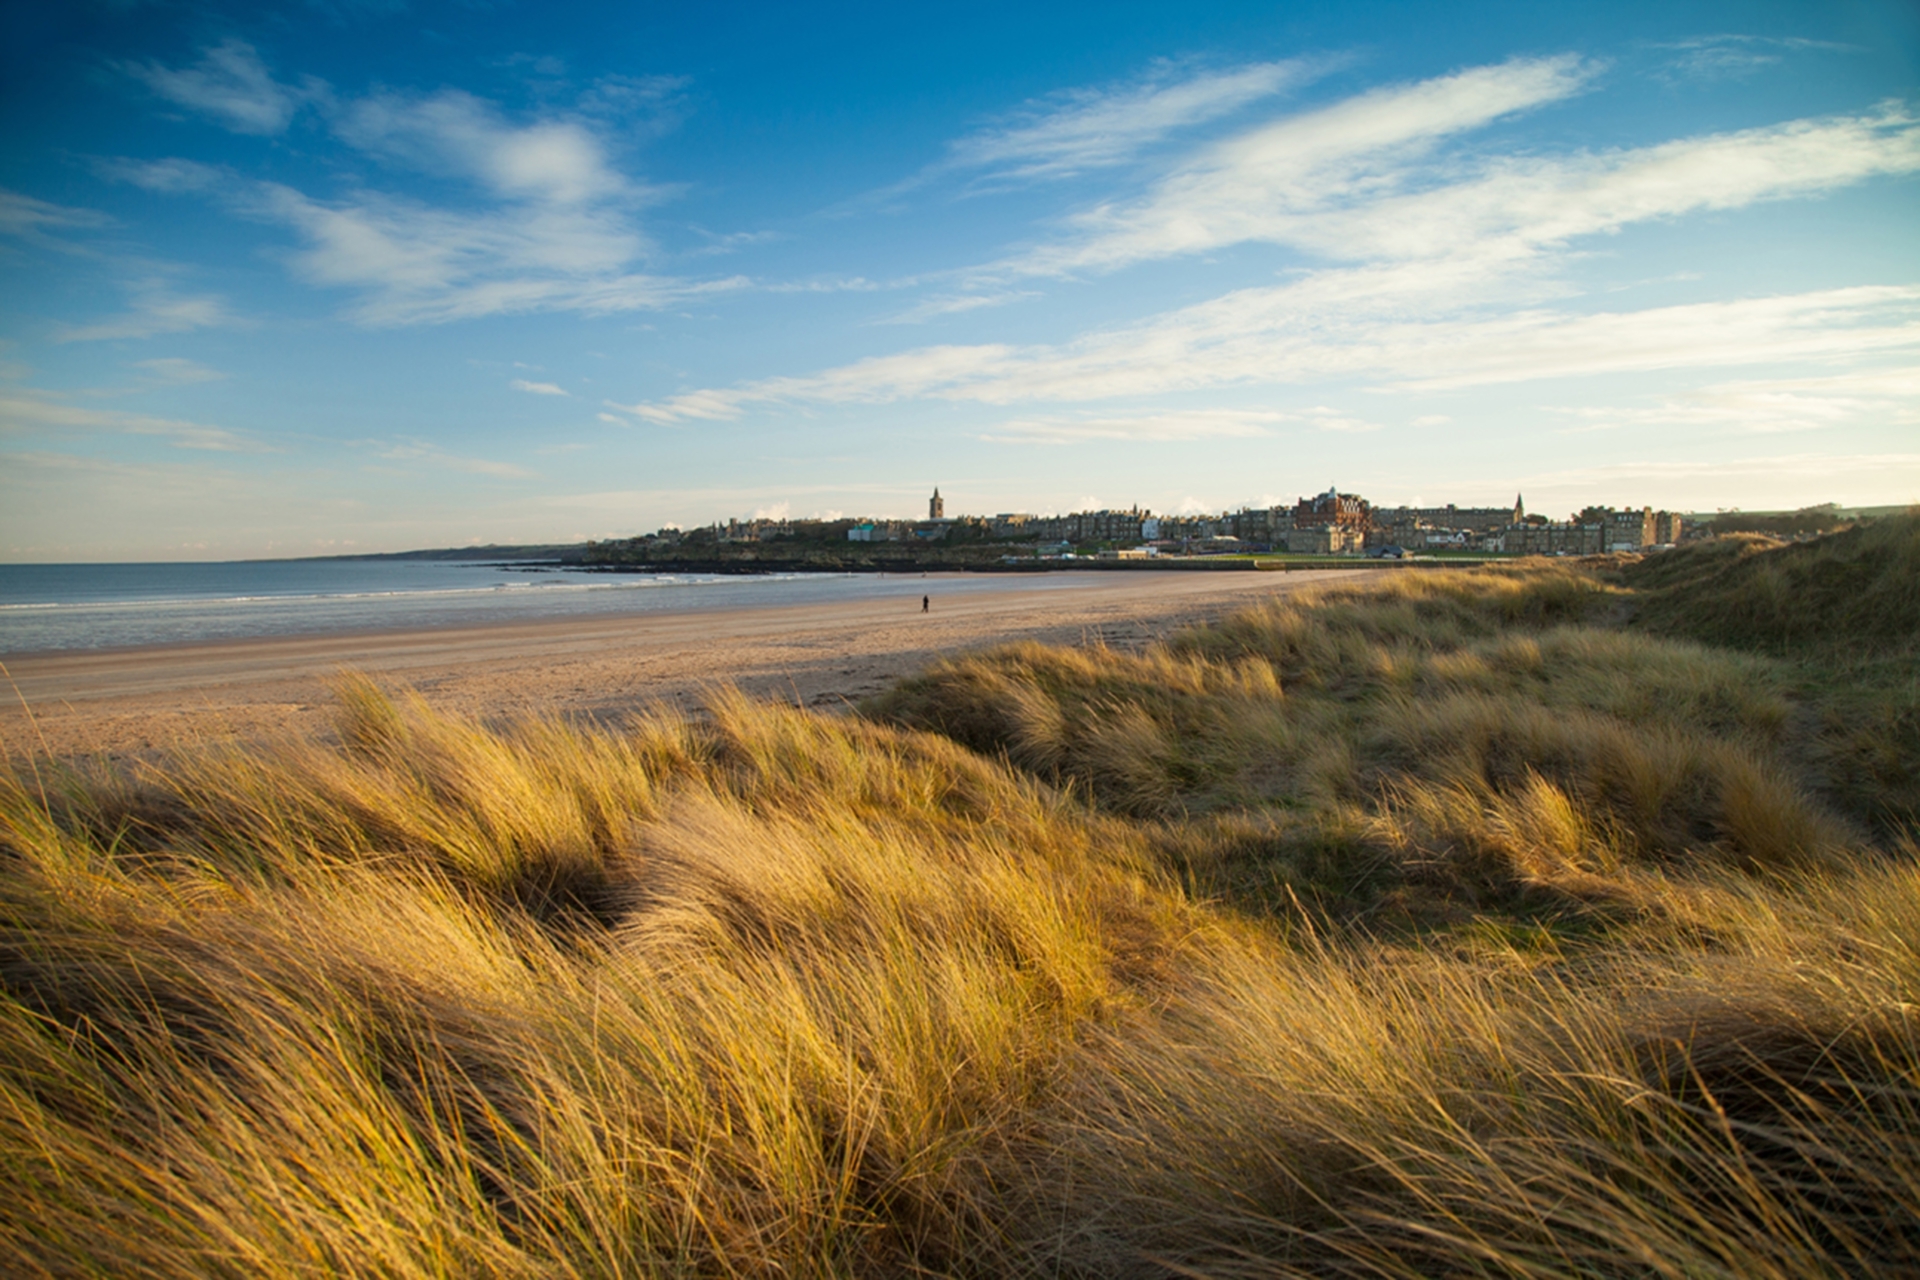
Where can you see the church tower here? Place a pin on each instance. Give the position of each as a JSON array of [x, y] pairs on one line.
[[1519, 510], [936, 507]]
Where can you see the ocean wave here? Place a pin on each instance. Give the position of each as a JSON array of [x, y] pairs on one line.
[[389, 593]]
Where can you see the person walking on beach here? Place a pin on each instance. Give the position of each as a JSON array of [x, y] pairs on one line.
[[926, 602]]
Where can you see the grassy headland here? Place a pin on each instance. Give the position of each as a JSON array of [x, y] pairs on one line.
[[1531, 920]]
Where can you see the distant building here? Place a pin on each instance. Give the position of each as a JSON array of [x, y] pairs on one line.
[[1624, 530], [1333, 509], [936, 506], [1011, 524], [1569, 538], [1262, 526], [1452, 518], [1108, 526], [1325, 539]]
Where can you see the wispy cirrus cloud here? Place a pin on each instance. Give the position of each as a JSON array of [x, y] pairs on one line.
[[542, 218], [1735, 56], [35, 222], [1075, 130], [155, 305], [1172, 425], [1753, 482], [952, 304], [155, 308], [410, 450], [455, 134], [538, 388], [1196, 424], [1363, 181], [1441, 270], [412, 262], [31, 412], [232, 86], [1259, 184], [1321, 328], [1766, 406], [174, 371], [927, 371]]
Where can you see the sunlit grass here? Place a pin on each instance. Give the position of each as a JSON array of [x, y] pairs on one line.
[[1446, 929]]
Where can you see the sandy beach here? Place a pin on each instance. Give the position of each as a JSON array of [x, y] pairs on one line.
[[136, 701]]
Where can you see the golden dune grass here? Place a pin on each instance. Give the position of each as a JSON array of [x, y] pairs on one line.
[[1437, 932]]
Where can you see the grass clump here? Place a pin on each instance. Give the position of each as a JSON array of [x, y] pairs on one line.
[[1857, 586], [1444, 928], [1382, 745], [1843, 613]]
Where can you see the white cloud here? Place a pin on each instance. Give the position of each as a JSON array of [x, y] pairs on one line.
[[956, 304], [422, 451], [1453, 279], [1830, 325], [172, 176], [1879, 397], [414, 263], [731, 242], [848, 284], [1506, 212], [537, 388], [1345, 324], [554, 228], [1172, 425], [927, 371], [1325, 419], [1731, 57], [654, 98], [1257, 185], [1193, 424], [176, 372], [1351, 182], [156, 309], [25, 218], [555, 161], [231, 85], [30, 412], [1754, 482], [1080, 129]]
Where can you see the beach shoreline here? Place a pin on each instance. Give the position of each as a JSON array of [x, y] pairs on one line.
[[137, 701]]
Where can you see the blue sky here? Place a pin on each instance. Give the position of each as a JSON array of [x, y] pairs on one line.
[[365, 275]]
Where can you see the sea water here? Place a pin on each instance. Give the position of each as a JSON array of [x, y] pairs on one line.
[[103, 606]]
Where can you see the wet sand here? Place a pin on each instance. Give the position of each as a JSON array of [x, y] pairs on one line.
[[137, 701]]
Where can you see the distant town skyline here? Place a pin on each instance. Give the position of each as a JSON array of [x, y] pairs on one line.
[[298, 279]]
